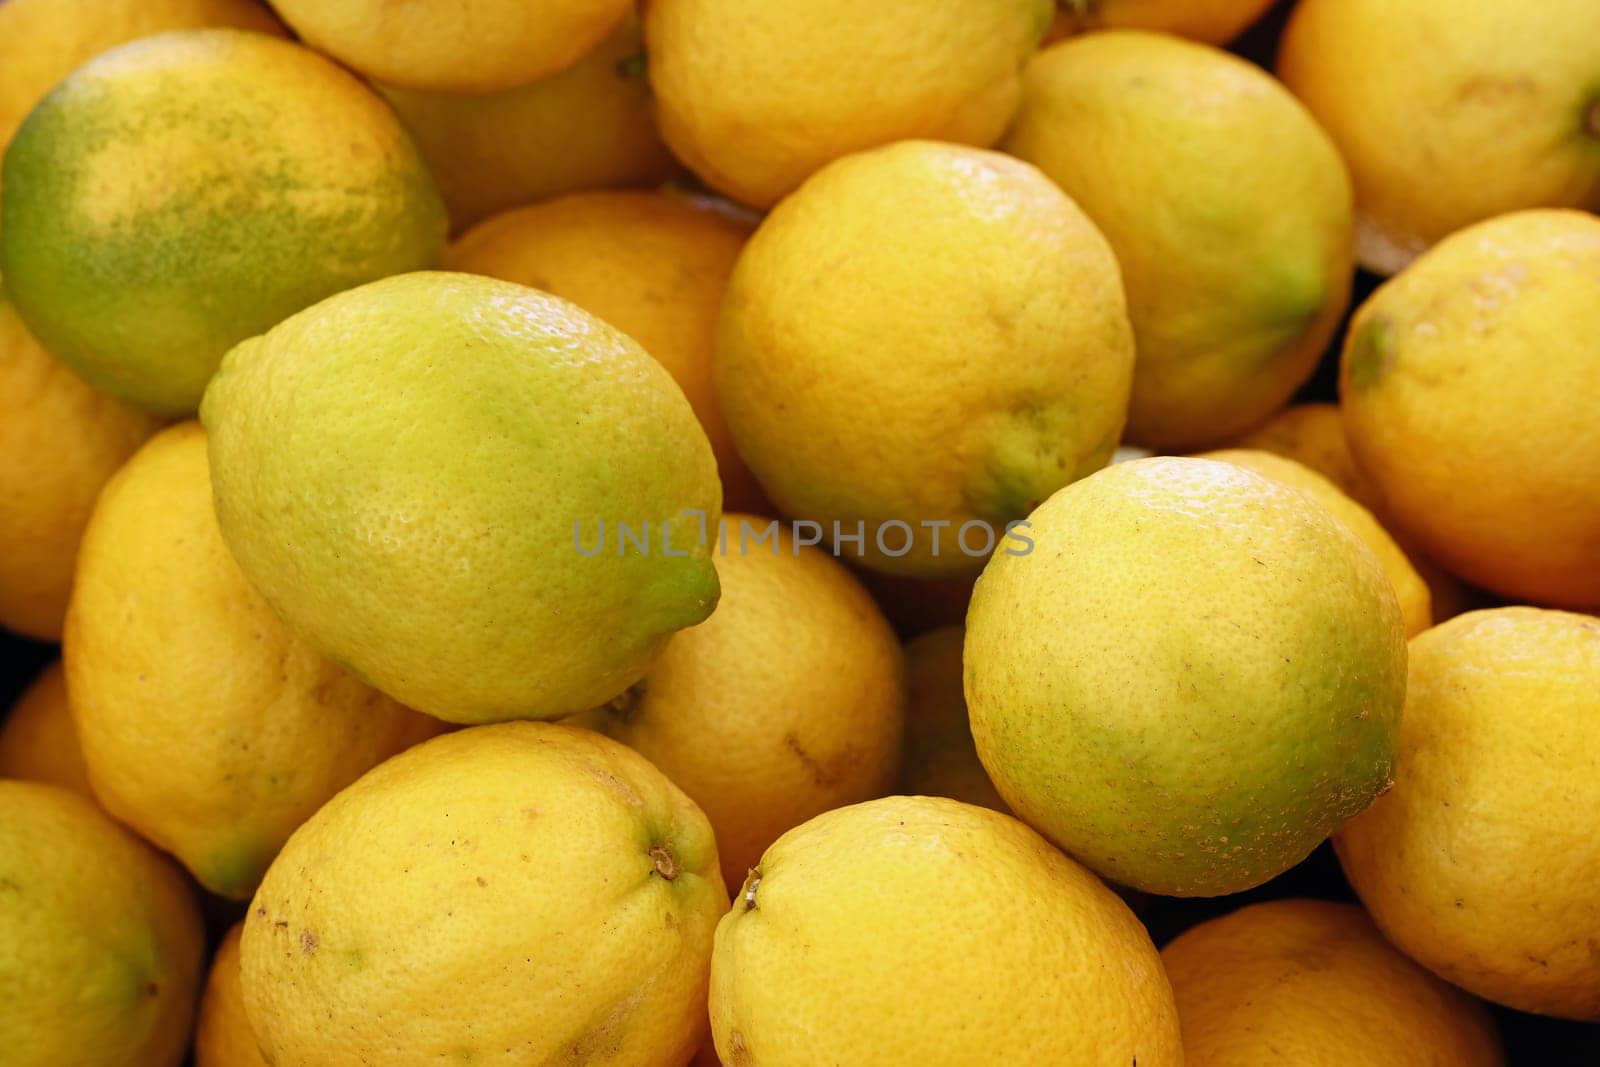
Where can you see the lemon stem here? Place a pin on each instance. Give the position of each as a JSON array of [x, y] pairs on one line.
[[752, 883]]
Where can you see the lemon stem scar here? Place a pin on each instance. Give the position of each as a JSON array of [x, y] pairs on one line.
[[752, 882], [1591, 120], [666, 864]]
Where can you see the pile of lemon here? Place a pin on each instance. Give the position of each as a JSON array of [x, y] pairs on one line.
[[800, 533]]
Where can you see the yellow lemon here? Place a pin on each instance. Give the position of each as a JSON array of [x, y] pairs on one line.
[[461, 46], [1467, 385], [917, 930], [1211, 21], [1227, 207], [926, 339], [181, 193], [786, 703], [60, 439], [1313, 983], [1451, 113], [1481, 863], [100, 939], [1191, 679], [545, 883], [37, 739], [755, 96], [588, 127], [940, 757], [206, 725], [222, 1036], [1409, 589], [471, 493], [654, 265], [1313, 435], [41, 41]]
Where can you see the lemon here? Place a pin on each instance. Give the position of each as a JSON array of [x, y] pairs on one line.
[[918, 930], [45, 39], [786, 703], [1451, 113], [543, 882], [100, 939], [923, 334], [1467, 385], [1227, 207], [940, 757], [587, 127], [1211, 21], [37, 738], [1313, 983], [60, 439], [755, 97], [471, 493], [183, 192], [476, 46], [1190, 680], [1410, 591], [1313, 436], [654, 265], [223, 1037], [205, 725], [1481, 863]]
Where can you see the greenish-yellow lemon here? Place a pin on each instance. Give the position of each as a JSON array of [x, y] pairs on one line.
[[181, 193], [42, 41], [486, 502], [100, 938], [1229, 211], [1193, 677]]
